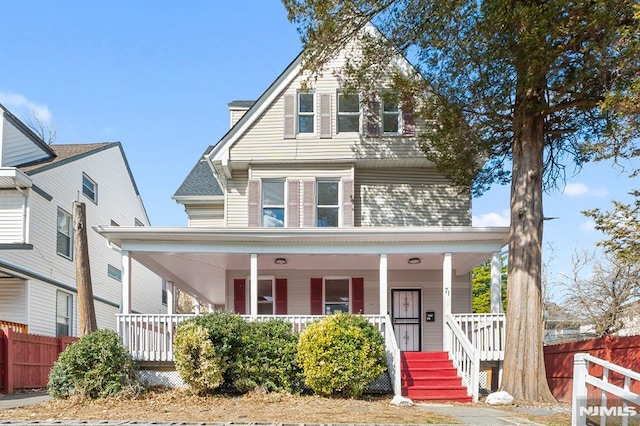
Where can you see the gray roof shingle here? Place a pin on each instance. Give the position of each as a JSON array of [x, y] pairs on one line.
[[200, 181]]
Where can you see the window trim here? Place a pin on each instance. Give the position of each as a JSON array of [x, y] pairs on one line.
[[69, 316], [398, 112], [70, 236], [338, 204], [349, 114], [271, 278], [324, 292], [95, 188], [273, 206], [111, 274], [311, 114]]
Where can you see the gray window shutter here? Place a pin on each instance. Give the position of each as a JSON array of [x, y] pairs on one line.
[[347, 202], [253, 198], [325, 115], [293, 212], [309, 203], [408, 125], [373, 118], [289, 116]]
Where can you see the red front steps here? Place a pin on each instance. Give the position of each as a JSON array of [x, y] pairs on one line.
[[431, 376]]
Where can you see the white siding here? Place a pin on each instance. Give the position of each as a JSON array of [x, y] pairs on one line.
[[408, 197], [12, 216], [236, 202], [42, 308], [205, 216], [17, 148], [13, 300]]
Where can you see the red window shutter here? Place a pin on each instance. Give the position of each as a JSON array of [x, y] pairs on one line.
[[325, 115], [240, 296], [373, 119], [357, 295], [293, 213], [408, 126], [281, 296], [309, 203], [253, 197], [316, 296], [289, 117], [347, 202]]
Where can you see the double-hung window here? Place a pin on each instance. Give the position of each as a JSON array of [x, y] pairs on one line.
[[327, 203], [64, 234], [336, 295], [64, 310], [265, 296], [89, 188], [305, 112], [273, 203], [390, 117], [348, 113]]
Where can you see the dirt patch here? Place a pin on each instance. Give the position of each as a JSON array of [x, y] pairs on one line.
[[180, 405]]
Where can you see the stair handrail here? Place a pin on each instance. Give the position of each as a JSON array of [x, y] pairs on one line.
[[393, 356], [465, 357]]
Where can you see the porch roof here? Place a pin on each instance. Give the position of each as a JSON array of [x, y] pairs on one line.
[[194, 258]]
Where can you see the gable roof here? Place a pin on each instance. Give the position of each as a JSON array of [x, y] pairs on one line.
[[30, 134], [200, 182]]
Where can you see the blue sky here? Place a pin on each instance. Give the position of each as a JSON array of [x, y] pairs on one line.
[[157, 76]]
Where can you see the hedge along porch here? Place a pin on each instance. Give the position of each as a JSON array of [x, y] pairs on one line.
[[416, 275]]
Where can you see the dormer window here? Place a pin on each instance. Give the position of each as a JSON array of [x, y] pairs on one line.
[[348, 113], [305, 112], [89, 188]]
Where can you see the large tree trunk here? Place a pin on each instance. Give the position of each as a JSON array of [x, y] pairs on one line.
[[524, 375], [86, 309]]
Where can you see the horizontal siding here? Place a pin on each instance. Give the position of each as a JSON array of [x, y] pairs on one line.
[[408, 197], [236, 201], [265, 139], [16, 147], [12, 215], [13, 300], [199, 216], [42, 308]]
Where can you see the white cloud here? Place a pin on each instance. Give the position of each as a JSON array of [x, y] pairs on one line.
[[580, 190], [588, 225], [24, 108], [492, 219]]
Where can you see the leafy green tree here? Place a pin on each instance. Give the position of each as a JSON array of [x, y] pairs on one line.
[[526, 84], [481, 288]]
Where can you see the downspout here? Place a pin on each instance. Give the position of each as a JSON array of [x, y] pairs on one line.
[[25, 216]]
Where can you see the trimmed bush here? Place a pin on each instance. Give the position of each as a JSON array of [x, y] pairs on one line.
[[197, 360], [341, 355], [269, 358], [95, 366]]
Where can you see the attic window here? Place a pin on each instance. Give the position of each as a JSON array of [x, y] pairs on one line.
[[89, 188], [305, 112], [390, 117], [348, 113]]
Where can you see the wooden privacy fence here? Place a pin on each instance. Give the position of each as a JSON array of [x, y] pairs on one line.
[[623, 351], [26, 359]]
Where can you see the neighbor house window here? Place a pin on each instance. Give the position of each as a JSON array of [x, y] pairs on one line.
[[305, 112], [327, 206], [89, 188], [64, 238], [114, 223], [137, 222], [164, 293], [348, 113], [265, 296], [336, 295], [114, 272], [390, 117], [64, 309], [272, 203]]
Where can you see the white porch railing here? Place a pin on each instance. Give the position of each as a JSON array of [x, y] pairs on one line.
[[582, 378], [465, 357], [150, 337]]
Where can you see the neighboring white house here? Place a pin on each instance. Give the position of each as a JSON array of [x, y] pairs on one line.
[[317, 201], [38, 184]]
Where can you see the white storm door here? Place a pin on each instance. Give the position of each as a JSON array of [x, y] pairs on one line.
[[406, 318]]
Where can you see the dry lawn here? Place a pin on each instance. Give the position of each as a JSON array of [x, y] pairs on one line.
[[180, 405]]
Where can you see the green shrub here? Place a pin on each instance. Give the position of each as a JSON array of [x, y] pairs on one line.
[[198, 362], [95, 366], [269, 358], [341, 355]]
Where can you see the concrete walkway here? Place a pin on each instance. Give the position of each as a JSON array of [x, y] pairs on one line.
[[464, 414]]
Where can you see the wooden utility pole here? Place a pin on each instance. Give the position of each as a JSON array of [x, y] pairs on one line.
[[86, 309]]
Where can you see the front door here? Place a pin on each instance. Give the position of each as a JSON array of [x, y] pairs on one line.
[[406, 318]]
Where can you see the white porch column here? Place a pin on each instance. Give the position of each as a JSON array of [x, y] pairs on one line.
[[171, 304], [383, 285], [447, 283], [253, 286], [196, 305], [496, 283], [125, 305]]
